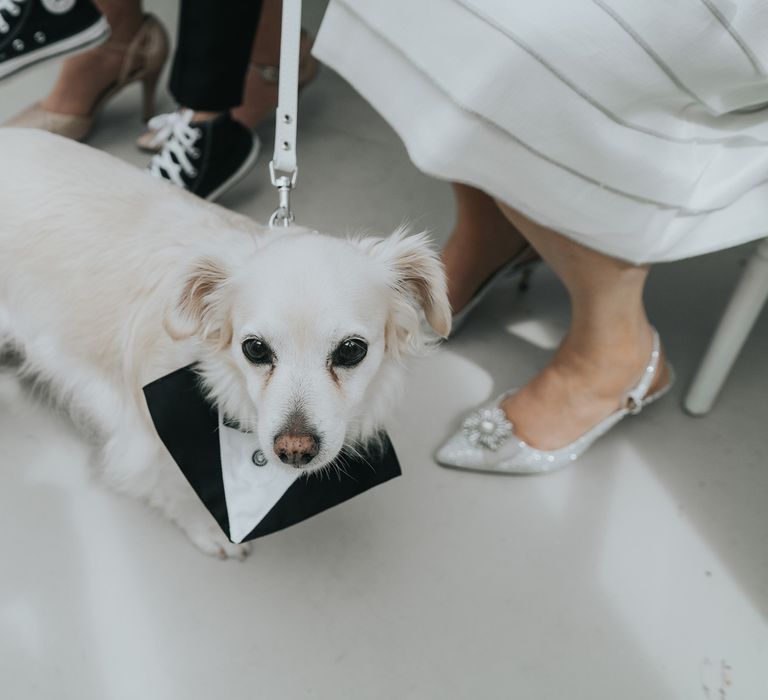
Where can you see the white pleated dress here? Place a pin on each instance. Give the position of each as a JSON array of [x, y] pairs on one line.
[[636, 127]]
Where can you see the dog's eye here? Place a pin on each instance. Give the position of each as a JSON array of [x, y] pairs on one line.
[[257, 351], [349, 353]]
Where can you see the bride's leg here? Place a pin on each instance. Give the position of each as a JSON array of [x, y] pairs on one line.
[[604, 352]]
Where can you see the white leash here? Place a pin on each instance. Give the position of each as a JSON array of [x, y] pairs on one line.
[[283, 167]]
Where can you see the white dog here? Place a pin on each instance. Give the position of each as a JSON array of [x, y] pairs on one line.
[[110, 279]]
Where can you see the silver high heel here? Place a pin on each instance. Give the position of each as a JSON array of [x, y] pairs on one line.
[[487, 442], [522, 264]]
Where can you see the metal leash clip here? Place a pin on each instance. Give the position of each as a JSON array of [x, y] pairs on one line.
[[284, 155], [283, 215]]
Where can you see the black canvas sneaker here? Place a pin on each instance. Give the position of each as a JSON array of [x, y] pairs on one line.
[[33, 30], [208, 157]]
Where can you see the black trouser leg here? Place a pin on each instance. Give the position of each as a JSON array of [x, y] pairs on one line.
[[212, 52]]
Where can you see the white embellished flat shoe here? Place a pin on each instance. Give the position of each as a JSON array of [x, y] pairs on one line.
[[487, 440], [522, 264]]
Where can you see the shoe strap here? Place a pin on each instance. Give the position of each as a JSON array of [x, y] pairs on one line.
[[144, 44], [633, 399]]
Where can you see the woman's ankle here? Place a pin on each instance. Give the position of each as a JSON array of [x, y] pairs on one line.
[[125, 26], [610, 361], [202, 116]]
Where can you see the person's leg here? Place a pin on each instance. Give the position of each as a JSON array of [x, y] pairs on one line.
[[604, 352], [261, 81], [482, 241], [204, 150], [212, 54], [266, 45], [85, 76], [259, 97]]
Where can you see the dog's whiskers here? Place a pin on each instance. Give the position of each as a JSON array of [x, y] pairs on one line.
[[352, 450]]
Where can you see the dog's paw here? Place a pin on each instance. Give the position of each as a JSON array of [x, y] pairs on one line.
[[209, 539]]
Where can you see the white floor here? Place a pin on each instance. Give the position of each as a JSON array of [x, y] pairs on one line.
[[640, 573]]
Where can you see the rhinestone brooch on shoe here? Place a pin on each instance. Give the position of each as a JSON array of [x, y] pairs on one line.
[[487, 428]]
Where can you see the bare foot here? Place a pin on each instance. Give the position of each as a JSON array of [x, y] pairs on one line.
[[482, 242], [578, 389]]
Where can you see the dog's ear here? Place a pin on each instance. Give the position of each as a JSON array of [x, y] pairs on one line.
[[416, 274], [201, 307]]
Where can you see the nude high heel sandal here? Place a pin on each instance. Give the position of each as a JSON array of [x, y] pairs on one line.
[[143, 61]]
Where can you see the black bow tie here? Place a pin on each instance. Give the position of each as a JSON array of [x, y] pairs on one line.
[[188, 425]]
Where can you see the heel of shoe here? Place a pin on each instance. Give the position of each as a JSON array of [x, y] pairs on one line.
[[156, 47], [149, 90], [156, 44], [149, 49]]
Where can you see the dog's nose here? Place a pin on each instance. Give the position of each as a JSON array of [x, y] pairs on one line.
[[298, 450]]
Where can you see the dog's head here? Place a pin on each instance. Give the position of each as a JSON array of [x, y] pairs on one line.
[[302, 340]]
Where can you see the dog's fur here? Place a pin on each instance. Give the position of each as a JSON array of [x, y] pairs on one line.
[[110, 279]]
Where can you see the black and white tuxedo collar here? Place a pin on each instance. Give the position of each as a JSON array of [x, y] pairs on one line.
[[227, 470]]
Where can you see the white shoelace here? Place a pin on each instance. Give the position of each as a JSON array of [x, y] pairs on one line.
[[162, 126], [178, 139], [12, 8]]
